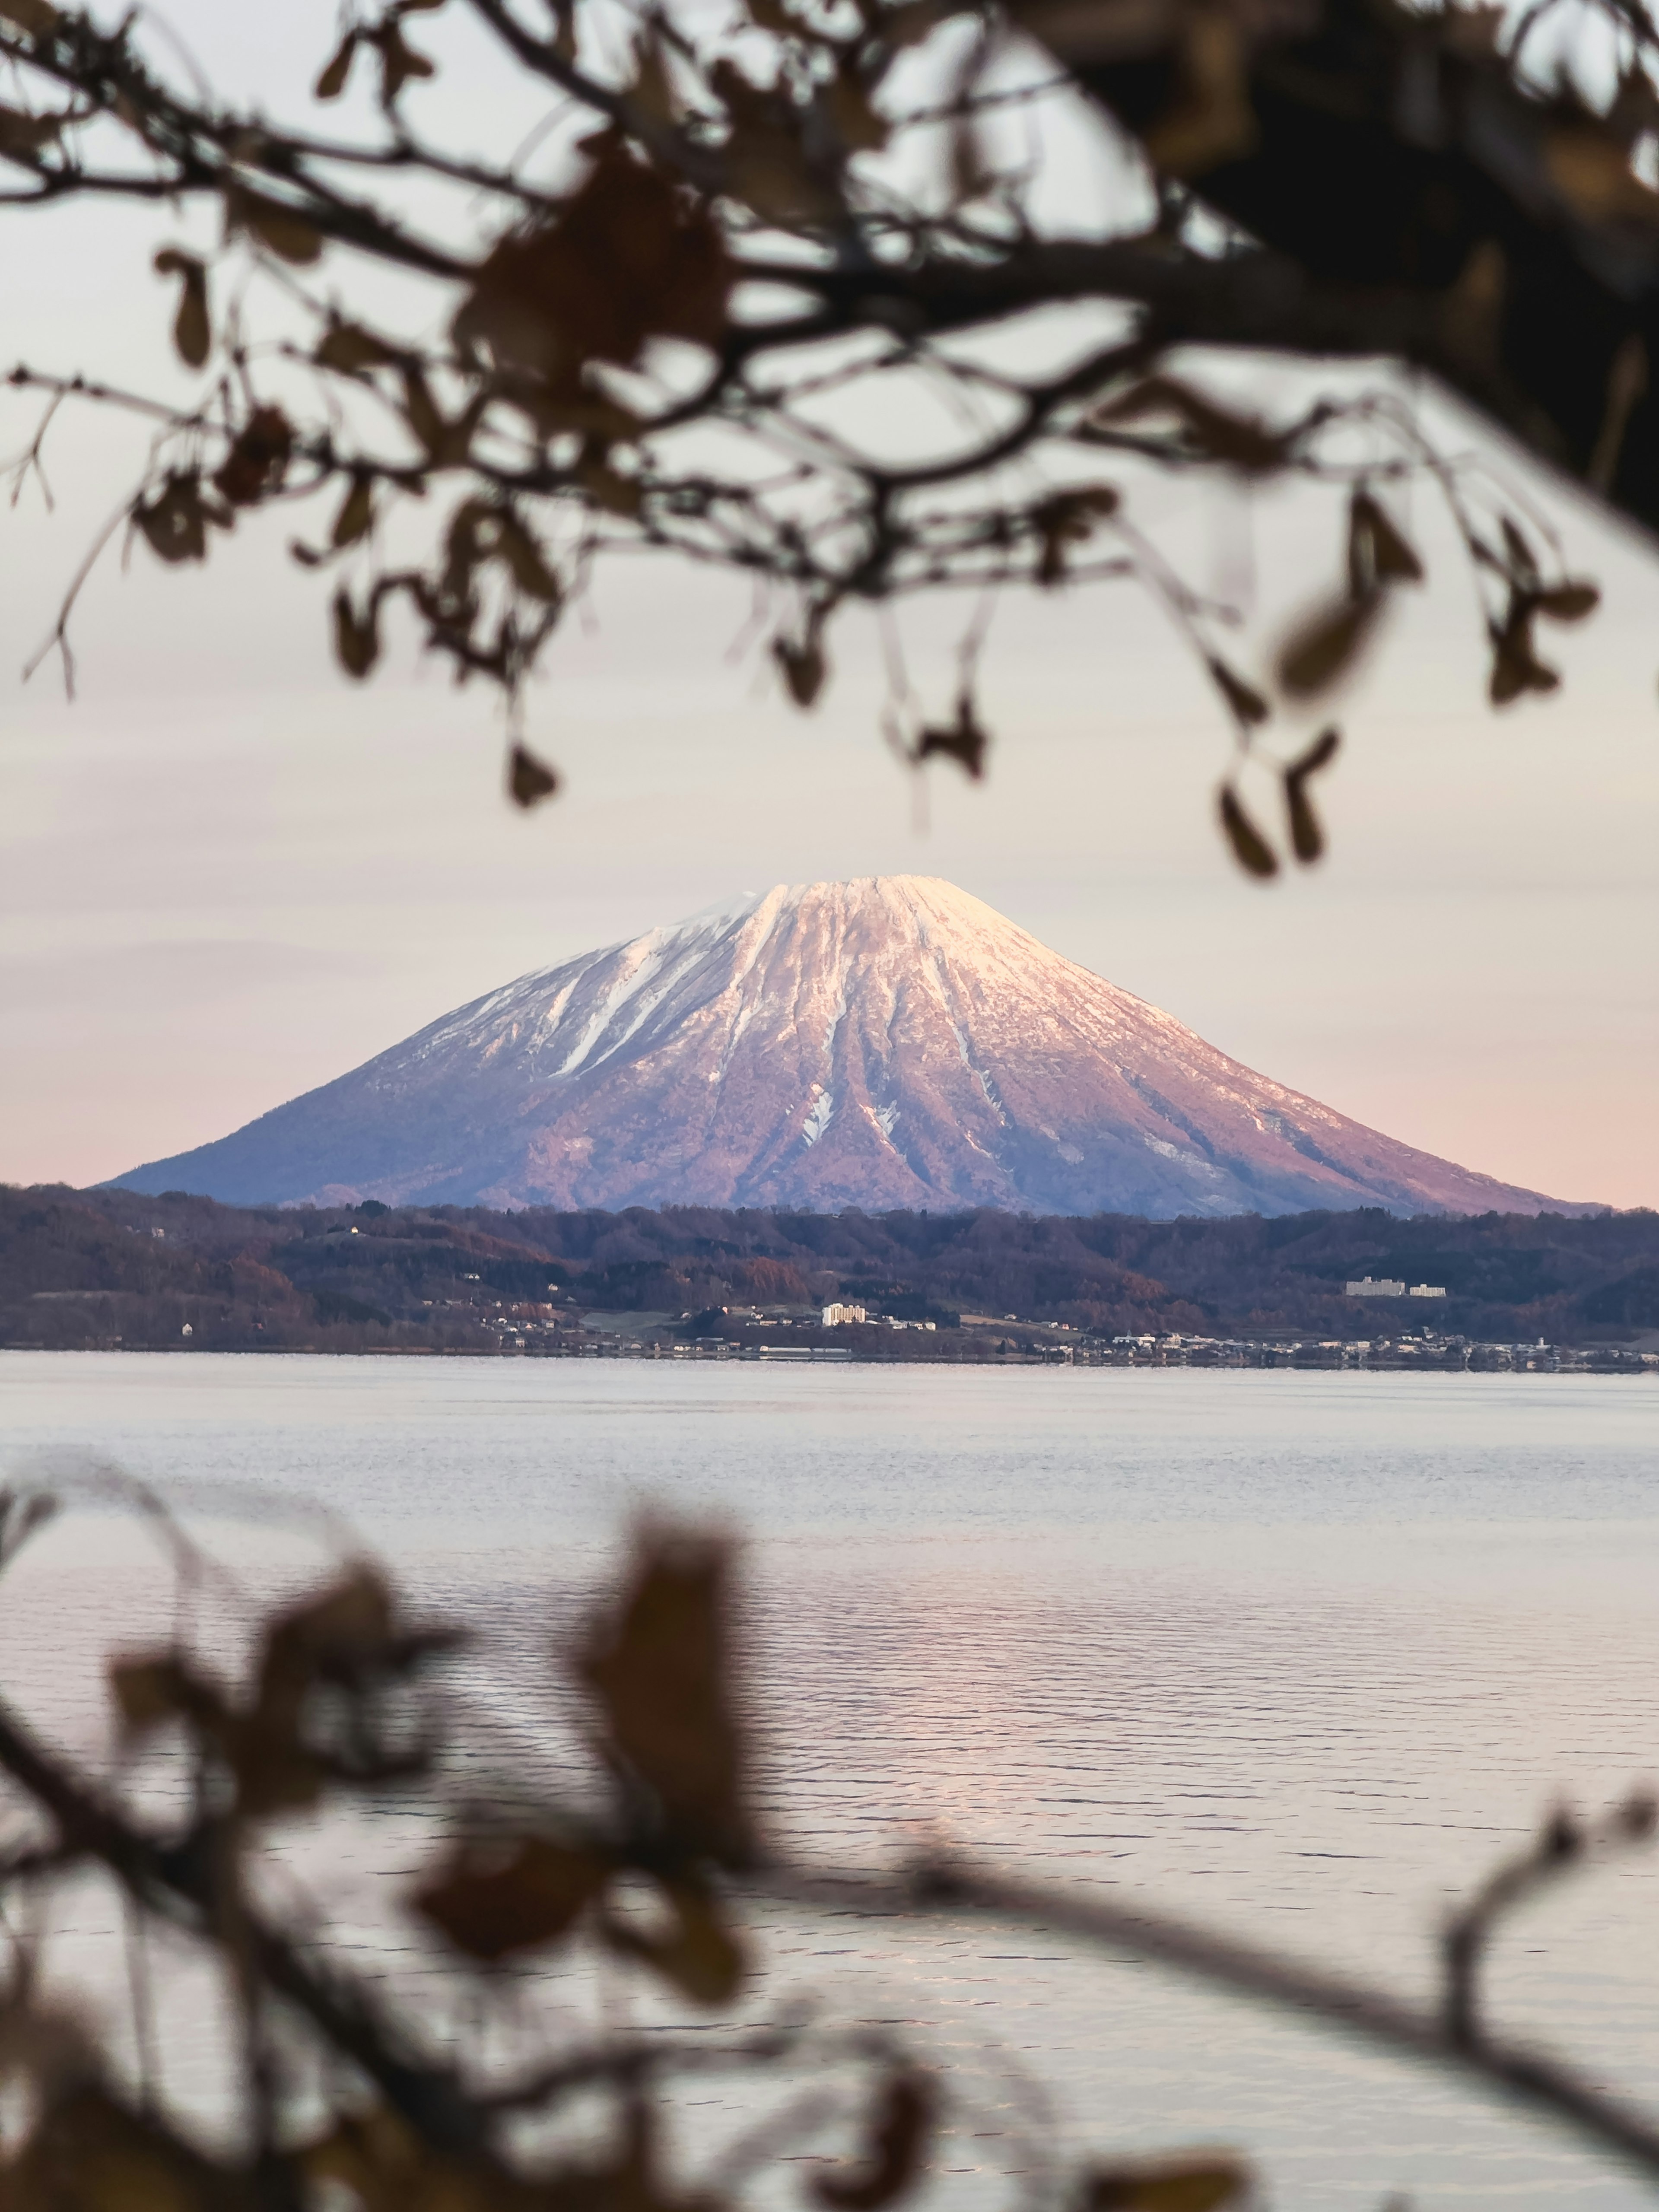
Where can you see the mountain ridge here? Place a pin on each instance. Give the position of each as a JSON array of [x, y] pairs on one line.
[[888, 1041]]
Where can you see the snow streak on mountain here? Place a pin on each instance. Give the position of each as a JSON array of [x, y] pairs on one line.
[[886, 1043]]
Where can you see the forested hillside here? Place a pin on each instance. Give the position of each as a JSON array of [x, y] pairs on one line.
[[79, 1267]]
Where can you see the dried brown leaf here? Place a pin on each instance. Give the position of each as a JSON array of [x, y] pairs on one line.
[[804, 666], [700, 1954], [1569, 602], [1516, 667], [528, 780], [1325, 646], [1246, 704], [174, 523], [895, 2154], [357, 637], [490, 1904], [258, 459], [286, 233], [23, 135], [1307, 838], [349, 347], [38, 17], [965, 741], [1199, 2184], [1590, 168], [356, 513], [1378, 552], [527, 560], [1250, 848], [1211, 119], [861, 129], [192, 331], [661, 1670], [627, 257], [1069, 519], [333, 81], [399, 61]]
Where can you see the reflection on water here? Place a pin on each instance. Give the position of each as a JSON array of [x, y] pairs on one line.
[[1301, 1653]]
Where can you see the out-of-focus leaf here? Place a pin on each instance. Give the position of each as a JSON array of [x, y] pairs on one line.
[[1592, 170], [1377, 553], [965, 741], [804, 665], [1237, 440], [399, 61], [1247, 704], [1250, 848], [148, 1692], [335, 1637], [701, 1953], [1516, 667], [356, 513], [38, 17], [894, 2153], [529, 781], [348, 346], [1210, 118], [1569, 602], [89, 2154], [1069, 519], [1200, 2182], [1325, 646], [333, 81], [192, 331], [286, 233], [765, 153], [426, 418], [257, 458], [1306, 838], [24, 135], [174, 523], [661, 1668], [627, 257], [860, 127], [527, 560], [489, 1906], [357, 637]]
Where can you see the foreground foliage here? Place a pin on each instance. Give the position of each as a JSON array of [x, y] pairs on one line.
[[636, 1855], [761, 292]]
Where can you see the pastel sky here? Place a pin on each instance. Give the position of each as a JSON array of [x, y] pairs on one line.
[[227, 874]]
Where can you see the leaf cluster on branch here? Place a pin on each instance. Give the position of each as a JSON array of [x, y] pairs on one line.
[[684, 316]]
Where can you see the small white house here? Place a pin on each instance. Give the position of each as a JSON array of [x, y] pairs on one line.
[[1427, 1291]]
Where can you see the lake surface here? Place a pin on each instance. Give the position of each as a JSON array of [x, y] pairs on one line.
[[1299, 1653]]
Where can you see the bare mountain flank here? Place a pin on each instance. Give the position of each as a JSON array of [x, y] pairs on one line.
[[889, 1042]]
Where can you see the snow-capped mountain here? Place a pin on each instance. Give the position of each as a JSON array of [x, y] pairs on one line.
[[886, 1043]]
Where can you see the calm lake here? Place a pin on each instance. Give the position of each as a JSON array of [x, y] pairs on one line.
[[1299, 1653]]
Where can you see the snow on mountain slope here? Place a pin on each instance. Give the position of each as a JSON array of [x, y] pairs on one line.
[[886, 1043]]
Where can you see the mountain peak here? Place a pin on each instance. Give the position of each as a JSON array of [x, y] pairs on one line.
[[888, 1040]]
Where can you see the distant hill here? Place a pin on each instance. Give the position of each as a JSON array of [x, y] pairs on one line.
[[86, 1268], [889, 1043]]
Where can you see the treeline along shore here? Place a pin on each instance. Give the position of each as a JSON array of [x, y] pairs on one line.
[[112, 1269]]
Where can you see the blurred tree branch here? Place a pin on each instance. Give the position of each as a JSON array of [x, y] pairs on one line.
[[677, 323]]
